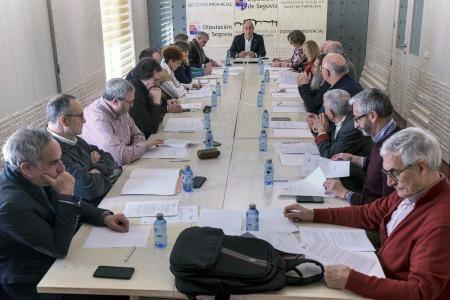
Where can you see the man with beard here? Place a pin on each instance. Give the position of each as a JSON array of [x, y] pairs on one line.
[[109, 126], [372, 111], [312, 88]]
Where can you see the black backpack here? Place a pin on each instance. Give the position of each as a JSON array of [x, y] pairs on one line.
[[207, 262]]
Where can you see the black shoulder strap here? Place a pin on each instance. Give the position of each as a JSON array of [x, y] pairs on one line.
[[300, 280]]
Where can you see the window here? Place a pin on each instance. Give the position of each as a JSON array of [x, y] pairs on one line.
[[402, 13], [416, 29], [117, 37]]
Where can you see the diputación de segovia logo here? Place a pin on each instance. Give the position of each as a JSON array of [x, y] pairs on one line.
[[241, 4]]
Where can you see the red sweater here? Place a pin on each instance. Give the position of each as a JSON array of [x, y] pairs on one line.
[[415, 257]]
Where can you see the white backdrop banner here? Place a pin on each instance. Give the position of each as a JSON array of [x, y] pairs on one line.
[[273, 19]]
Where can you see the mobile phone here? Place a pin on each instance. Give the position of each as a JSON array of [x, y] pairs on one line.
[[114, 272], [309, 199], [280, 118], [186, 109], [199, 181], [207, 108]]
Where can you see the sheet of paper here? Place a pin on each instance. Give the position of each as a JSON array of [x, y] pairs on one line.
[[347, 239], [151, 182], [330, 168], [272, 220], [196, 105], [186, 214], [291, 133], [136, 209], [285, 95], [289, 124], [288, 109], [296, 148], [288, 103], [312, 185], [177, 143], [285, 242], [288, 86], [210, 82], [228, 220], [103, 237], [292, 159], [165, 152], [329, 254], [287, 77], [200, 93], [184, 124]]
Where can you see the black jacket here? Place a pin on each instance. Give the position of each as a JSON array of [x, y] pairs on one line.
[[313, 100], [183, 73], [257, 45], [77, 160], [348, 84], [36, 227], [145, 114]]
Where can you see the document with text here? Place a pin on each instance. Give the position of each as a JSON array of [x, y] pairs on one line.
[[309, 186], [291, 133], [152, 182], [296, 148], [289, 124], [228, 220], [186, 214], [136, 209], [184, 124]]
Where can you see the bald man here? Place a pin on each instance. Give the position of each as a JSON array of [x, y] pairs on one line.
[[248, 44], [336, 47]]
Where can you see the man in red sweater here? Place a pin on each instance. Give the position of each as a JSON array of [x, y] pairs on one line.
[[414, 224]]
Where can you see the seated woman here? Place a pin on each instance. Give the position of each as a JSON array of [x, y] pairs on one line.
[[296, 38], [172, 88], [185, 72], [311, 51]]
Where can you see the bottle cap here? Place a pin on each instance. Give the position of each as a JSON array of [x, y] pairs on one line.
[[252, 205], [263, 131], [159, 216], [269, 160], [265, 110]]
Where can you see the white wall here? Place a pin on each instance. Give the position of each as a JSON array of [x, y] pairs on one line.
[[139, 15]]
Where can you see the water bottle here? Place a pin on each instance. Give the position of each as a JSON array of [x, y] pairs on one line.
[[227, 59], [218, 89], [206, 119], [225, 75], [265, 119], [263, 140], [209, 139], [267, 76], [261, 68], [260, 99], [252, 218], [214, 99], [160, 229], [268, 174], [260, 60], [262, 86], [188, 179]]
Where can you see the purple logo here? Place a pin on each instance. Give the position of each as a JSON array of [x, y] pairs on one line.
[[193, 29], [241, 4]]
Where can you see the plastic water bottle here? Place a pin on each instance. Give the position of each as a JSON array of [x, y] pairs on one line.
[[160, 229], [225, 75], [209, 139], [267, 76], [260, 99], [262, 86], [188, 179], [260, 60], [268, 174], [252, 218], [263, 140], [207, 119], [218, 89], [227, 59], [265, 119], [214, 99], [261, 67]]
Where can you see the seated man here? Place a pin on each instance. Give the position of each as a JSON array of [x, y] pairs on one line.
[[110, 127], [372, 111], [336, 47], [38, 212], [148, 52], [248, 44], [197, 56], [413, 222], [94, 170]]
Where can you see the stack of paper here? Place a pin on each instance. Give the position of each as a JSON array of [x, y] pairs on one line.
[[309, 186], [136, 209], [296, 148], [330, 168], [287, 77], [162, 152], [151, 182], [289, 124], [273, 220], [291, 133], [184, 124], [186, 214], [288, 106], [192, 106], [200, 93], [103, 237]]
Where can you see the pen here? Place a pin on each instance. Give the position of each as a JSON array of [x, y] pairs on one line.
[[182, 160], [130, 253], [281, 180]]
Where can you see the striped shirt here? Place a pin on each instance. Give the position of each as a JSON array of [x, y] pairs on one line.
[[113, 133], [404, 209]]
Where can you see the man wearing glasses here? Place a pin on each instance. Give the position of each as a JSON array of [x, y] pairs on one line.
[[94, 170], [414, 224], [372, 112]]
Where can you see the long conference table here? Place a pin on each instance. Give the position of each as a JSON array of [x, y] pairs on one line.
[[233, 181]]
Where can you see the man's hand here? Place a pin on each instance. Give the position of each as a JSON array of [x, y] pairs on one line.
[[251, 54], [63, 184], [95, 171], [196, 86], [155, 92], [310, 120], [276, 64], [303, 78], [336, 276], [95, 157], [354, 159], [174, 108], [297, 213], [208, 68], [322, 123], [243, 54], [117, 222], [150, 144], [334, 186]]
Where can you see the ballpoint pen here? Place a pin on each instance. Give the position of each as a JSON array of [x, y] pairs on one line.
[[130, 253]]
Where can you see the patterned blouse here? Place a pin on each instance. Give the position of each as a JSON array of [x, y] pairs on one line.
[[298, 60]]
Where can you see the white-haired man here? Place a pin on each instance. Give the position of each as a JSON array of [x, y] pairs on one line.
[[414, 224]]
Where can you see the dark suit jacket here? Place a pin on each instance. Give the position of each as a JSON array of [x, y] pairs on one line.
[[348, 84], [36, 227], [313, 100], [257, 45]]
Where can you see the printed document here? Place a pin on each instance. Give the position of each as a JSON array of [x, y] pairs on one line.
[[176, 143], [151, 182], [103, 237], [136, 209], [285, 95], [309, 186], [285, 242], [193, 106], [186, 214], [330, 168], [165, 152], [273, 220], [291, 133], [296, 148], [184, 124], [200, 93], [292, 159], [347, 239], [228, 220], [287, 109], [287, 77], [289, 124]]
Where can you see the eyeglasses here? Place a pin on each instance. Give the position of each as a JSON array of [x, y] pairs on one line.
[[323, 68], [81, 116], [394, 174], [356, 119]]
